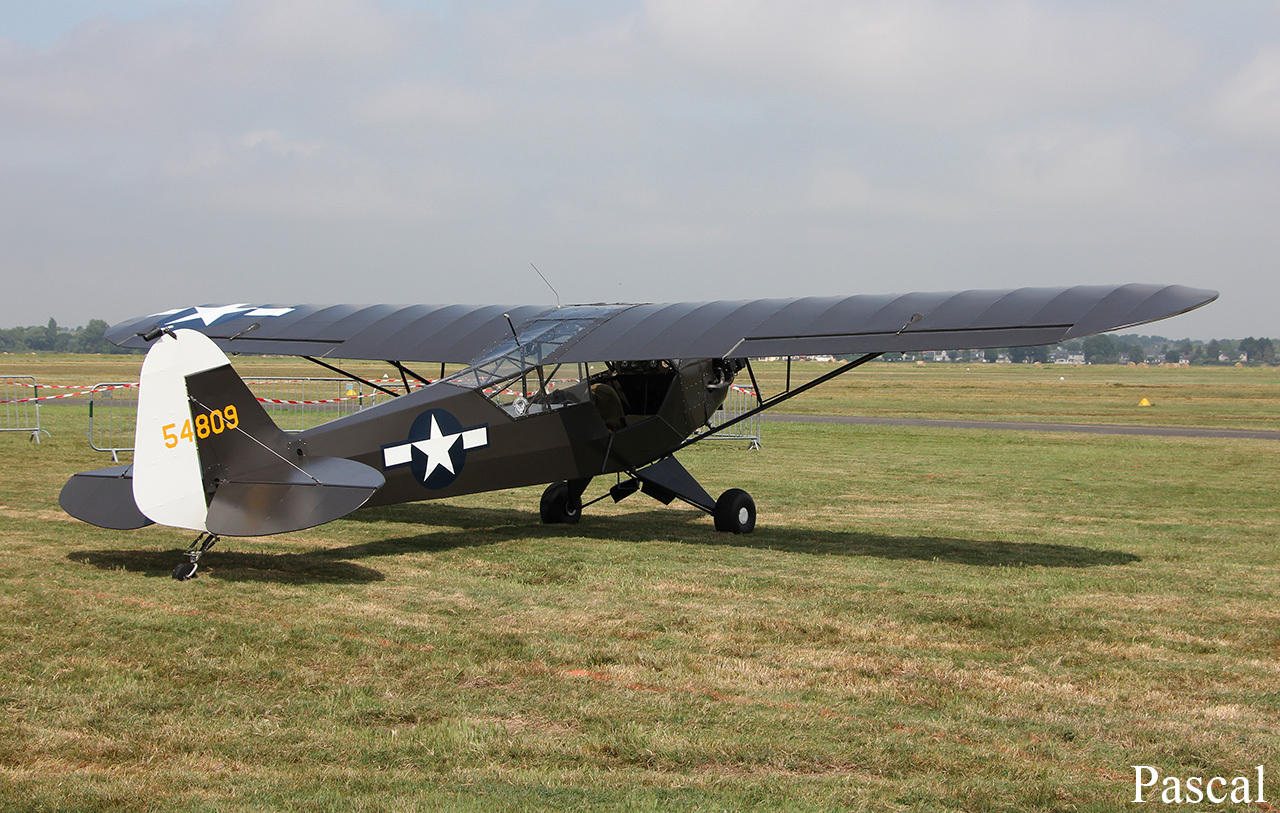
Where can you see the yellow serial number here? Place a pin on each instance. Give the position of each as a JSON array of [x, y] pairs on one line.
[[214, 423]]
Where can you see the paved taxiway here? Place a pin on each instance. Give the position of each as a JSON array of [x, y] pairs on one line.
[[1035, 426]]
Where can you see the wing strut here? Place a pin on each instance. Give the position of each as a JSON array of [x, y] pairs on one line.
[[353, 377], [405, 372], [755, 385], [785, 395]]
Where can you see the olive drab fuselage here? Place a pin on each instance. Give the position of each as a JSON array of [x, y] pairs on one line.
[[562, 436]]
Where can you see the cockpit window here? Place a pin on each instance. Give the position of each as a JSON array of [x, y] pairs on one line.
[[539, 341], [522, 376]]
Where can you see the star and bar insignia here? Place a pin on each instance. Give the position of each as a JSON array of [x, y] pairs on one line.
[[436, 449]]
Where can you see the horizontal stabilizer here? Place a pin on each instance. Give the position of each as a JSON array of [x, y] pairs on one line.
[[103, 497], [290, 497]]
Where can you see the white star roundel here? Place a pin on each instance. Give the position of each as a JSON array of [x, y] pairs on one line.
[[211, 314], [436, 449]]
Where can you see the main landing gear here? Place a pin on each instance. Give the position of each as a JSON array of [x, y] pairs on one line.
[[560, 504], [735, 512], [666, 480], [202, 543]]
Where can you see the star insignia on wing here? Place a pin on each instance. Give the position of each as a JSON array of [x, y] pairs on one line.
[[209, 314]]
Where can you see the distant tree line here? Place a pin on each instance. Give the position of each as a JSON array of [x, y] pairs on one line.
[[1105, 349], [1111, 349], [51, 338]]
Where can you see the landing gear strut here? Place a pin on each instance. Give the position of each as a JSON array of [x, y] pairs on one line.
[[202, 543], [664, 481]]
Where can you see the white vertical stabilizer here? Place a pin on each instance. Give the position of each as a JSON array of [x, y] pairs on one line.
[[168, 485]]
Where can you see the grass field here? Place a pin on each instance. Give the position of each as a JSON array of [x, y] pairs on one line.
[[923, 620]]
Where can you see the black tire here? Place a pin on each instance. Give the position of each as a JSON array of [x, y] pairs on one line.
[[735, 512], [558, 507]]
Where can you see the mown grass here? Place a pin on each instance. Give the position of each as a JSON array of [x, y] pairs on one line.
[[924, 619]]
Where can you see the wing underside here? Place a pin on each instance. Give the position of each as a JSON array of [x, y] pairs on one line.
[[719, 329]]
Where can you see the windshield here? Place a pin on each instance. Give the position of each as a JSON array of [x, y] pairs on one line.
[[539, 340]]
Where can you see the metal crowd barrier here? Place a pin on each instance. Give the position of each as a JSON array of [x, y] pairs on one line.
[[738, 402], [19, 409], [113, 413]]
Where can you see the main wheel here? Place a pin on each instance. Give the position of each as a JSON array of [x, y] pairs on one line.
[[735, 512], [558, 507]]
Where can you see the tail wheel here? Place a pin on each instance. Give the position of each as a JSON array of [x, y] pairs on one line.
[[558, 506], [735, 512]]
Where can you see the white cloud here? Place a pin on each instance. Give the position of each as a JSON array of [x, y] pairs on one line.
[[1069, 165], [176, 72], [353, 34], [428, 101], [274, 142], [206, 153], [930, 62], [209, 154], [1249, 103], [99, 74]]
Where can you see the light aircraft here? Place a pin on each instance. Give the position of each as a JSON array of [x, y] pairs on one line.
[[643, 382]]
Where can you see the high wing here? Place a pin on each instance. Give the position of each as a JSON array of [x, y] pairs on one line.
[[448, 333], [718, 329]]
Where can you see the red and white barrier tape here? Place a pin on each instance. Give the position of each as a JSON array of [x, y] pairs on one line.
[[80, 386], [82, 390], [325, 401]]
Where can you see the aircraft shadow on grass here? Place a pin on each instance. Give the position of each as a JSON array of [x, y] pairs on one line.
[[455, 527], [235, 565]]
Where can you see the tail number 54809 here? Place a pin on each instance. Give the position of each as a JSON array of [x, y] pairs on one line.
[[214, 423]]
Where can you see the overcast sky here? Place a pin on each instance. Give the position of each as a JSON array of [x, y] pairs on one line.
[[162, 153]]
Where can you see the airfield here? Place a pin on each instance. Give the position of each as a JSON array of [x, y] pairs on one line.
[[926, 618]]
